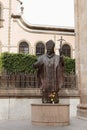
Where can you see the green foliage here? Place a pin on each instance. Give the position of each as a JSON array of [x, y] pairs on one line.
[[13, 62], [69, 65]]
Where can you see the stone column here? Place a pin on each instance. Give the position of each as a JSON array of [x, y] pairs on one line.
[[81, 54]]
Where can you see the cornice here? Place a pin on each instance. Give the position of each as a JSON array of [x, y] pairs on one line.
[[44, 28]]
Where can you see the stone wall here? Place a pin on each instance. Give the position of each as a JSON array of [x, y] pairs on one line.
[[20, 108], [81, 54]]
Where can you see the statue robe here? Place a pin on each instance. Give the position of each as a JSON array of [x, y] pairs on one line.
[[50, 72]]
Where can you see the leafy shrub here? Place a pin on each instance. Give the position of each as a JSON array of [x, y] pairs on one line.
[[18, 62], [15, 62], [69, 65]]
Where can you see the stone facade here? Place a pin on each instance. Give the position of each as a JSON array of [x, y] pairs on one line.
[[20, 108], [81, 52], [15, 30]]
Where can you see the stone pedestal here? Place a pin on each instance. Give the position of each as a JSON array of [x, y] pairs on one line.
[[82, 111], [81, 55], [50, 114]]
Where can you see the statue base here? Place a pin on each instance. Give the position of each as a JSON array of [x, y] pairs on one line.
[[50, 114], [82, 111]]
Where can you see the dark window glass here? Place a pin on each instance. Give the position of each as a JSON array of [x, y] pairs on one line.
[[66, 50], [23, 48], [40, 49]]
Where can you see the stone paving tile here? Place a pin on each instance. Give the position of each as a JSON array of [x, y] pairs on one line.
[[75, 124]]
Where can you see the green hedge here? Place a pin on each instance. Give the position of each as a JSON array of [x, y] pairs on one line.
[[69, 65], [17, 62], [23, 63]]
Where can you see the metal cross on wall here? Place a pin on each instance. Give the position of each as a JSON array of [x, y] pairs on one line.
[[61, 40]]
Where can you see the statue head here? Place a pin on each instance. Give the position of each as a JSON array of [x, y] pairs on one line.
[[50, 47]]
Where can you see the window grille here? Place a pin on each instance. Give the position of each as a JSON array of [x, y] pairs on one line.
[[23, 48], [66, 50], [40, 49]]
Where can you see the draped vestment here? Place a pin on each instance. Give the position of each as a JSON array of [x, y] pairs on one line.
[[50, 72]]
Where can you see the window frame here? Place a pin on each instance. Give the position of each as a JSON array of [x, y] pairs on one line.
[[40, 49], [24, 48], [67, 50]]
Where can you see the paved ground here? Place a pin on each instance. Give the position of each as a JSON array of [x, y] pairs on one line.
[[76, 124]]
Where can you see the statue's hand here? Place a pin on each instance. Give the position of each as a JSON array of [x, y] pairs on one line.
[[34, 65]]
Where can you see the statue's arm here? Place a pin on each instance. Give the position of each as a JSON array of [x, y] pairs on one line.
[[38, 63], [62, 60]]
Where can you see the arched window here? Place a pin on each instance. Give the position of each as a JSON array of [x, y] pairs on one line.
[[66, 50], [40, 49], [23, 47]]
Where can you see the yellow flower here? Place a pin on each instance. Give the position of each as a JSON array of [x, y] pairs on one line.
[[53, 95], [52, 99]]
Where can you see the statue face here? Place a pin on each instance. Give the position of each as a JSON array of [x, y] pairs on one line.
[[50, 51], [50, 47]]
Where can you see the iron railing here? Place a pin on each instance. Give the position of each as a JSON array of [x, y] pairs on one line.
[[25, 80]]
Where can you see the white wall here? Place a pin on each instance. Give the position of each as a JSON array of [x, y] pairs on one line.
[[14, 32], [14, 108]]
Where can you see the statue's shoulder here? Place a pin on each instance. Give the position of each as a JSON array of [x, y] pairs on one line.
[[57, 59], [57, 56], [42, 57]]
